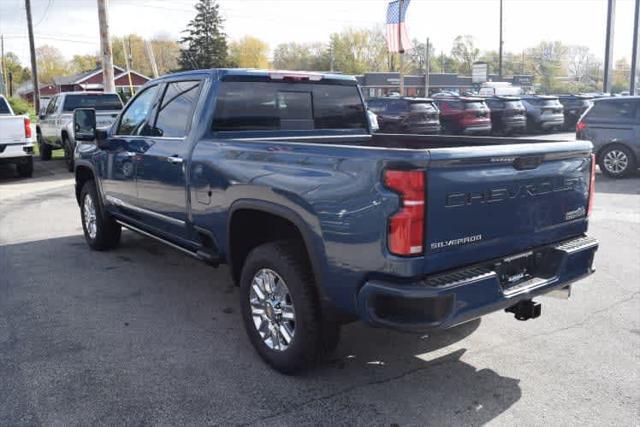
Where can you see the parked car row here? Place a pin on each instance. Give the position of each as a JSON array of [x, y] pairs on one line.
[[471, 115]]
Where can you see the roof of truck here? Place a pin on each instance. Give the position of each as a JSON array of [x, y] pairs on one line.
[[252, 72]]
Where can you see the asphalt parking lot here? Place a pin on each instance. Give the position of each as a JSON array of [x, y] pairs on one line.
[[146, 335]]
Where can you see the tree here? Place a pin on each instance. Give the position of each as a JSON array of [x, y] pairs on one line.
[[81, 63], [356, 51], [166, 52], [547, 61], [19, 73], [205, 43], [621, 76], [50, 63], [249, 52], [415, 58], [465, 53], [302, 56]]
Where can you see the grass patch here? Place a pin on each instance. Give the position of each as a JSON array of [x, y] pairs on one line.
[[55, 154]]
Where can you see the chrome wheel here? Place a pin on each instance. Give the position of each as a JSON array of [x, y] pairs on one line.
[[616, 161], [89, 211], [272, 309]]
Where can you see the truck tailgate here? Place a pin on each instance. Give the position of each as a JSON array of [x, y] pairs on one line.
[[11, 129], [492, 201]]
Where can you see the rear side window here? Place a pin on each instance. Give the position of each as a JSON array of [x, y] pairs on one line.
[[176, 109], [246, 106], [4, 107], [614, 109], [99, 102]]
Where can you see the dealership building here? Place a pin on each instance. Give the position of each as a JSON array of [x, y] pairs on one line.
[[381, 84]]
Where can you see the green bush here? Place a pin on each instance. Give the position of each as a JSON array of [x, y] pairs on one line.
[[20, 106]]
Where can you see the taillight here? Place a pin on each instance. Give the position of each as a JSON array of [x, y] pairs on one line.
[[592, 184], [580, 126], [27, 128], [406, 227]]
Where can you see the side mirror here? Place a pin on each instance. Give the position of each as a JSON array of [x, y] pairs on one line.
[[84, 124]]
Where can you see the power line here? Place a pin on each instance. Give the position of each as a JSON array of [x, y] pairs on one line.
[[44, 15]]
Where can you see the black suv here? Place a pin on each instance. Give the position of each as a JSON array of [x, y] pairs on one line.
[[574, 107], [406, 115], [613, 126], [508, 114]]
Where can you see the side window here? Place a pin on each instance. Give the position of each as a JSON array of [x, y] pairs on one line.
[[176, 109], [376, 106], [134, 117], [614, 109]]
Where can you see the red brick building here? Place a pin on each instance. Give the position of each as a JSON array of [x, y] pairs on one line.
[[88, 80]]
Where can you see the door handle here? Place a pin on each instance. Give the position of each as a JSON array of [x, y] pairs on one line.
[[174, 160]]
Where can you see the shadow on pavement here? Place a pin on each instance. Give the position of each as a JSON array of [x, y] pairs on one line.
[[144, 334], [629, 185], [48, 171]]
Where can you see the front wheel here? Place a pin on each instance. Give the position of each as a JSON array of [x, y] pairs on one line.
[[280, 308], [617, 161], [101, 231]]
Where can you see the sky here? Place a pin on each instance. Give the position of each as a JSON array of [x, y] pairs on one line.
[[72, 25]]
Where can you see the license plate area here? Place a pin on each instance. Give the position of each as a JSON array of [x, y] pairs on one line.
[[527, 269]]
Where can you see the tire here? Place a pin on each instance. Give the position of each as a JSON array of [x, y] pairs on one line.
[[45, 149], [616, 161], [311, 337], [68, 154], [25, 170], [101, 231]]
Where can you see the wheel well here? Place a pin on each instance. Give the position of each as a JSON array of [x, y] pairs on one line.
[[83, 174], [64, 135], [38, 130], [250, 228]]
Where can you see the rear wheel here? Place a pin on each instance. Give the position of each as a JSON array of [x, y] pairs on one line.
[[25, 169], [101, 231], [68, 154], [280, 308], [617, 161], [44, 148]]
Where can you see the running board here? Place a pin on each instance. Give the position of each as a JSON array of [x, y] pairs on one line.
[[200, 255]]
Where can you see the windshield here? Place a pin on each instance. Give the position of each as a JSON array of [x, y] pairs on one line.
[[422, 107], [244, 106], [4, 107], [514, 105], [544, 102], [99, 102], [474, 105]]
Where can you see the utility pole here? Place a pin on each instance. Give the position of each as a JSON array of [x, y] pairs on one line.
[[4, 69], [522, 72], [126, 61], [634, 54], [500, 47], [401, 48], [608, 47], [331, 64], [152, 58], [442, 62], [34, 65], [105, 47], [426, 68], [10, 84]]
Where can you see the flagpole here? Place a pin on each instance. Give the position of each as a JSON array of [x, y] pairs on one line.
[[401, 49]]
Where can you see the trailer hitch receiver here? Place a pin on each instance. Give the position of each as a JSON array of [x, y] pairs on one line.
[[525, 310]]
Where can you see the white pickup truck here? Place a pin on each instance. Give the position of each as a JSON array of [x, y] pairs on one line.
[[16, 145]]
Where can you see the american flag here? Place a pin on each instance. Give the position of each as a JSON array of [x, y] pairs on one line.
[[397, 36]]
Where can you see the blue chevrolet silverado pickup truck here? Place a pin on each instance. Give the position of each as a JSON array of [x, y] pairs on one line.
[[322, 222]]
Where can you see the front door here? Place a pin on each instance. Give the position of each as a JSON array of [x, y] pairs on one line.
[[47, 122], [125, 147], [161, 172]]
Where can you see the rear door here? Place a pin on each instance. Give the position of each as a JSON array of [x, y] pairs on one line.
[[491, 201], [160, 174]]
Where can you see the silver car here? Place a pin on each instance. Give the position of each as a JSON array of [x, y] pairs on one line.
[[55, 125], [544, 113]]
